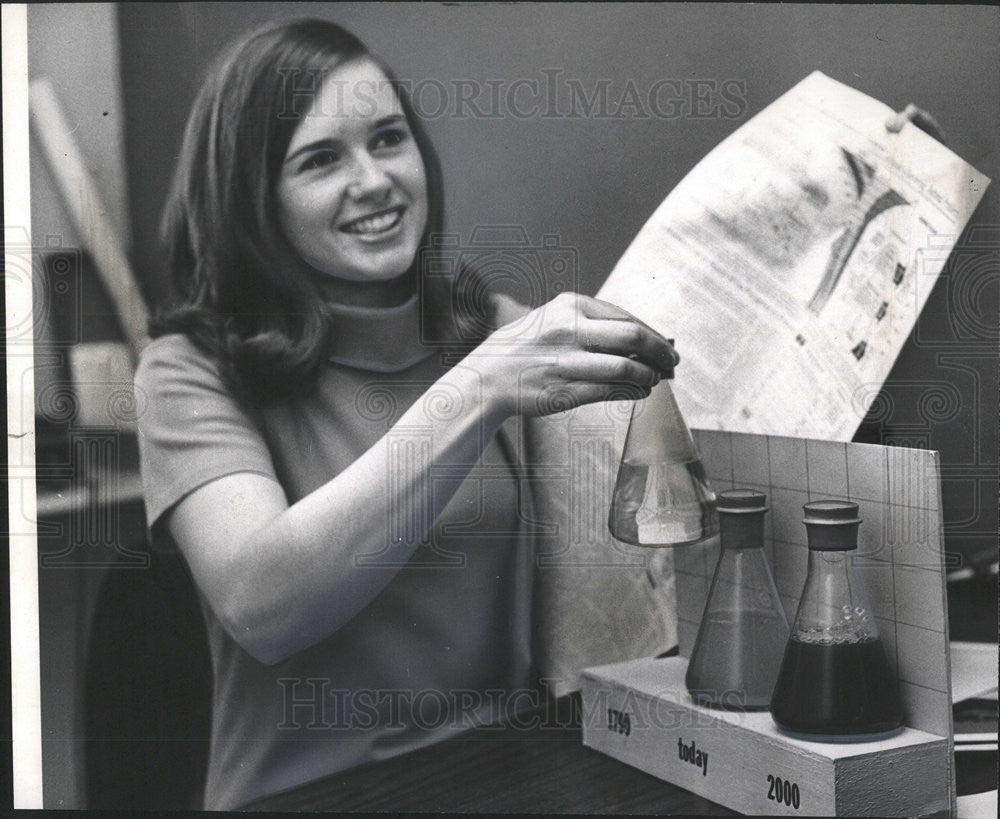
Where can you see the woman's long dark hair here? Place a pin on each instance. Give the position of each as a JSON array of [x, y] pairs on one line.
[[239, 290]]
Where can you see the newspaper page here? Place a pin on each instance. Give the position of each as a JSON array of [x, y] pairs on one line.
[[792, 262], [790, 265]]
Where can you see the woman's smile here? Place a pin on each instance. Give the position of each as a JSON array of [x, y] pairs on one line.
[[375, 226]]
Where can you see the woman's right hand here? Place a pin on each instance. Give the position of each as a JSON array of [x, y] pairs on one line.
[[570, 351]]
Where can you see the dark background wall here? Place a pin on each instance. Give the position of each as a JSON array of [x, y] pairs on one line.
[[593, 181]]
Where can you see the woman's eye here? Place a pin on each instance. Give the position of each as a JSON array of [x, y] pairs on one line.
[[388, 138], [319, 159]]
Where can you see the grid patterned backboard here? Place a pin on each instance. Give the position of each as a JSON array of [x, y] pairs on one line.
[[900, 546]]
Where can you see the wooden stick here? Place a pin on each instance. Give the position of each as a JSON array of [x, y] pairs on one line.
[[86, 209]]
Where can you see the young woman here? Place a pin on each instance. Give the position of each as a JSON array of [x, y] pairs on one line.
[[345, 494]]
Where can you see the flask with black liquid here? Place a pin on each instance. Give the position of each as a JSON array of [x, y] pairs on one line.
[[743, 629], [835, 682]]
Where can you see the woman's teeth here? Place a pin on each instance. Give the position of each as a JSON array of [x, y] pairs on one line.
[[378, 223]]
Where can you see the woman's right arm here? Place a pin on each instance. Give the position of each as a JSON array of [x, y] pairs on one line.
[[282, 577]]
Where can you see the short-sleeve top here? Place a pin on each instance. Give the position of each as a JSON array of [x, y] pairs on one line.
[[445, 646]]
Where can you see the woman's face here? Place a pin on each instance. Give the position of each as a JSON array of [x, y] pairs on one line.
[[352, 192]]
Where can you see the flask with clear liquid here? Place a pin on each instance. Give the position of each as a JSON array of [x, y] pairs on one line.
[[743, 630], [661, 497], [835, 682]]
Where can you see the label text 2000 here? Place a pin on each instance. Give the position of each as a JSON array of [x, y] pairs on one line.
[[782, 791]]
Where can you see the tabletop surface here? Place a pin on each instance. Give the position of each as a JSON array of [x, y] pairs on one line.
[[538, 765]]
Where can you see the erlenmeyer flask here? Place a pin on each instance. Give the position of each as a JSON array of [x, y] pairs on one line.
[[661, 497], [743, 630], [835, 683]]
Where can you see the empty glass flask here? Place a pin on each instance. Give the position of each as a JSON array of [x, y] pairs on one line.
[[743, 629], [835, 682], [661, 497]]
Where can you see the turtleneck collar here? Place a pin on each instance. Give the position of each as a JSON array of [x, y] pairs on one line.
[[379, 339]]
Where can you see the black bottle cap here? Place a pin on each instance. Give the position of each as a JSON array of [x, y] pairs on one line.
[[741, 501], [832, 525], [831, 512]]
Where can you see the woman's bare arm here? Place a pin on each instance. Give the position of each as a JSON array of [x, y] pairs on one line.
[[280, 578]]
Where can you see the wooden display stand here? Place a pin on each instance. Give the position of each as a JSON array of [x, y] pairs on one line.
[[639, 711]]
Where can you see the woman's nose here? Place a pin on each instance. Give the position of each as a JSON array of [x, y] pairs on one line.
[[370, 180]]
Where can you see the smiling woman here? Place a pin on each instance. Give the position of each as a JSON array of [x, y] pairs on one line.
[[348, 502], [273, 156]]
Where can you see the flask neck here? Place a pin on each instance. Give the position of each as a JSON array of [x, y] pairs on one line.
[[741, 530], [657, 432], [833, 563]]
